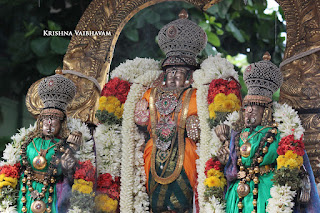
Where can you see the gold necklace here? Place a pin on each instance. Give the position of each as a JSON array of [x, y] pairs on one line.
[[40, 162], [245, 148]]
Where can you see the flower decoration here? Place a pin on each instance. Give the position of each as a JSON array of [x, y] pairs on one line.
[[289, 143], [223, 98], [85, 171], [113, 96], [215, 180], [82, 186], [106, 204], [11, 171], [118, 88], [107, 185], [223, 86]]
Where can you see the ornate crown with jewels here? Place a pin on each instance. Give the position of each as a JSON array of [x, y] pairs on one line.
[[262, 78], [56, 92], [181, 40]]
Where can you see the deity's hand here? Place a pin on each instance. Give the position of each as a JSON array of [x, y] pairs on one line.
[[193, 127], [68, 161], [223, 132], [223, 154], [142, 113]]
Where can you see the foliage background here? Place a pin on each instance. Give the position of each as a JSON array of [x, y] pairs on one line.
[[26, 55]]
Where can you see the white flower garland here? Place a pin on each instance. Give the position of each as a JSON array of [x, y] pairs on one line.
[[282, 199], [135, 70], [11, 154], [214, 206], [142, 73], [128, 199], [214, 67], [108, 149], [288, 119], [204, 145]]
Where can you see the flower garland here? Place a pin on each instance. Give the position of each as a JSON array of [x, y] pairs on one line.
[[290, 150], [214, 67], [113, 96], [141, 73], [10, 166], [108, 145], [129, 202]]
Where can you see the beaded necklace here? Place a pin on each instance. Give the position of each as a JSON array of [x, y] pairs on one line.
[[253, 172], [46, 178]]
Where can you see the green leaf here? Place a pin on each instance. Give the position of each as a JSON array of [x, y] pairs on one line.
[[212, 19], [205, 26], [46, 66], [53, 26], [59, 45], [235, 32], [218, 25], [132, 34], [219, 31], [41, 46], [213, 39], [209, 50]]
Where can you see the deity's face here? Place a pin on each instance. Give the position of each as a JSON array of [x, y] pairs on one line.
[[51, 126], [176, 77], [253, 115]]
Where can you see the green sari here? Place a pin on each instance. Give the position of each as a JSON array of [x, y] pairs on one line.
[[265, 181], [31, 154]]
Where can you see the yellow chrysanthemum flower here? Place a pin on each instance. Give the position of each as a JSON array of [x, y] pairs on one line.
[[218, 106], [212, 113], [119, 111], [113, 100], [103, 99], [82, 186], [290, 154], [221, 97], [212, 181], [291, 163], [281, 161], [213, 172], [102, 103], [105, 203], [223, 182], [110, 108], [228, 105], [8, 181], [232, 97]]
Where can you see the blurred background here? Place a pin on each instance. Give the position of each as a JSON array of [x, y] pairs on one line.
[[241, 33]]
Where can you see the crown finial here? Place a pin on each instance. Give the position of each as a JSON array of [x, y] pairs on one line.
[[267, 56], [183, 14], [58, 71]]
